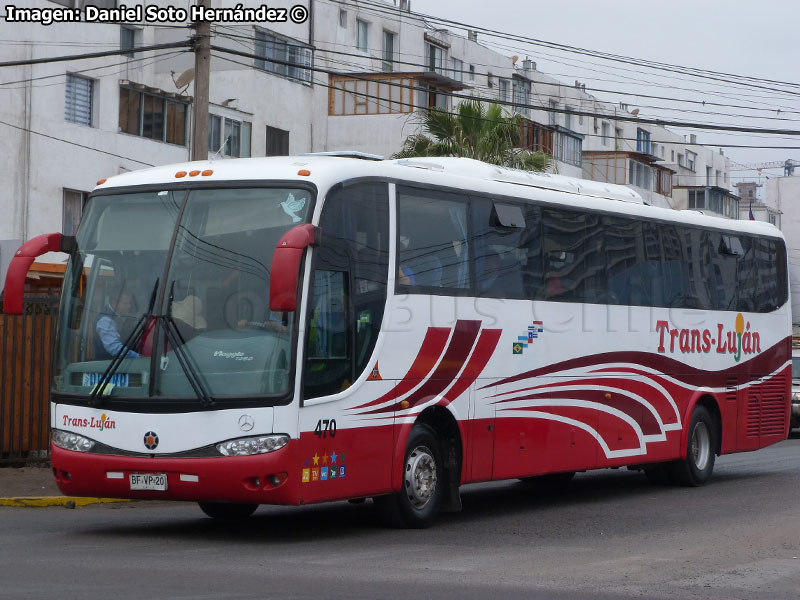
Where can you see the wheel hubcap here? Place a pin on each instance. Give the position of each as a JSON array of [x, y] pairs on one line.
[[701, 446], [420, 477]]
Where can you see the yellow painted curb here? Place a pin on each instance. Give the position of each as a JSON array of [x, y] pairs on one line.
[[57, 501]]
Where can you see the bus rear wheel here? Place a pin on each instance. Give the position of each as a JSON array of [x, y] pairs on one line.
[[418, 503], [695, 470], [227, 511]]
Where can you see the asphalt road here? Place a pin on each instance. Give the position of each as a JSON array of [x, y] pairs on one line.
[[609, 534]]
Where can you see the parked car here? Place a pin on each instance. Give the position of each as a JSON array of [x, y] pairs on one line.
[[795, 420]]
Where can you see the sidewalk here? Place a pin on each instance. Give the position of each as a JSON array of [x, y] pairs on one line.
[[35, 486]]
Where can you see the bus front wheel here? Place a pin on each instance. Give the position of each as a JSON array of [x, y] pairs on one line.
[[227, 511], [695, 470], [418, 503]]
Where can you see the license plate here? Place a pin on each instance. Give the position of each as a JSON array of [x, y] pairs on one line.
[[149, 481], [117, 379]]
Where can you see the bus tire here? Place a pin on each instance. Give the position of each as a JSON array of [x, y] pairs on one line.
[[227, 511], [418, 503], [695, 470]]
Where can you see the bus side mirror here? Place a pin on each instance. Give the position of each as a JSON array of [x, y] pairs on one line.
[[14, 291], [285, 270]]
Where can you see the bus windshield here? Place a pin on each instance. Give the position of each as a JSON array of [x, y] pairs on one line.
[[167, 296]]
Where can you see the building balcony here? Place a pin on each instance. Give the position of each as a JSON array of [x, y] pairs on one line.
[[389, 93], [709, 199], [636, 169]]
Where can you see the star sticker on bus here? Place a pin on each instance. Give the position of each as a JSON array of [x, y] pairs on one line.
[[325, 459], [333, 457], [315, 458]]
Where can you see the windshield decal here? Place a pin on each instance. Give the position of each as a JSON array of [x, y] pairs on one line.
[[293, 205]]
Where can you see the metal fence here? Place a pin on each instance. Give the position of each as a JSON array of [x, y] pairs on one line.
[[26, 346]]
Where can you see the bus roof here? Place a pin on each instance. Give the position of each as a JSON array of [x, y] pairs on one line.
[[328, 169]]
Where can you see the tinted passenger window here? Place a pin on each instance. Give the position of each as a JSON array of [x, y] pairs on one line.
[[433, 253], [507, 244]]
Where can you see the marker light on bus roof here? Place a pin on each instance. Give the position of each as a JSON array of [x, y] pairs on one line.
[[102, 181], [304, 172], [207, 172], [180, 174], [194, 173]]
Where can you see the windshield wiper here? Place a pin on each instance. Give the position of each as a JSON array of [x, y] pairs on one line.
[[177, 340], [96, 398], [195, 380]]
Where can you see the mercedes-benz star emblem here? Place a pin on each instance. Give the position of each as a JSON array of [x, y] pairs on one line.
[[150, 440], [246, 423]]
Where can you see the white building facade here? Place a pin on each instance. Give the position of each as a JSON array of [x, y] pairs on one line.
[[351, 77]]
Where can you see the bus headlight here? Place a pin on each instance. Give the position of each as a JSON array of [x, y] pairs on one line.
[[71, 441], [260, 444]]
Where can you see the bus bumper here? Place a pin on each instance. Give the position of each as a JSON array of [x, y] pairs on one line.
[[259, 479]]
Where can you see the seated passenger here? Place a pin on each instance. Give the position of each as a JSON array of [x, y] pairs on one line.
[[107, 343]]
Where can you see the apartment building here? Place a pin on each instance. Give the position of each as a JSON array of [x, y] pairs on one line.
[[351, 77]]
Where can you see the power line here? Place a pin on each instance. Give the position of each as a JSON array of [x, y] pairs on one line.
[[91, 69], [552, 84], [690, 71], [52, 137], [52, 59], [623, 118], [387, 102]]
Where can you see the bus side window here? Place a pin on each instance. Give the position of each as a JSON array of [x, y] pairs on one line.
[[433, 246], [348, 287]]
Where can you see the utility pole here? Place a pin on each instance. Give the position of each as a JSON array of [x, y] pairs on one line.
[[202, 68]]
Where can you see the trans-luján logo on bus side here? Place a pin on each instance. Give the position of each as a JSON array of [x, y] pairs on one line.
[[737, 341]]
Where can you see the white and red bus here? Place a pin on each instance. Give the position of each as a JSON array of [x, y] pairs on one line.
[[304, 329]]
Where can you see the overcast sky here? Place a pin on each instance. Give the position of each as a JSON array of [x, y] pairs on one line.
[[743, 37]]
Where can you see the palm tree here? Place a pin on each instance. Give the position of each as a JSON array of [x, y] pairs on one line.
[[475, 131]]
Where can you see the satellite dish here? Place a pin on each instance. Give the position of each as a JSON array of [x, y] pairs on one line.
[[184, 79], [635, 112], [514, 59]]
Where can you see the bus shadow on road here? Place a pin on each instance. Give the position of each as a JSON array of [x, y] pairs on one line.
[[606, 492]]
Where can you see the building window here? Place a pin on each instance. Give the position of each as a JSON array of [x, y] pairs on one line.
[[504, 90], [342, 18], [152, 116], [717, 179], [551, 115], [641, 175], [127, 40], [606, 132], [388, 51], [458, 69], [228, 137], [654, 148], [567, 119], [74, 202], [681, 160], [568, 148], [772, 219], [472, 72], [433, 97], [362, 35], [643, 141], [277, 142], [435, 58], [78, 100], [691, 159], [618, 138], [522, 92], [375, 95], [294, 57]]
